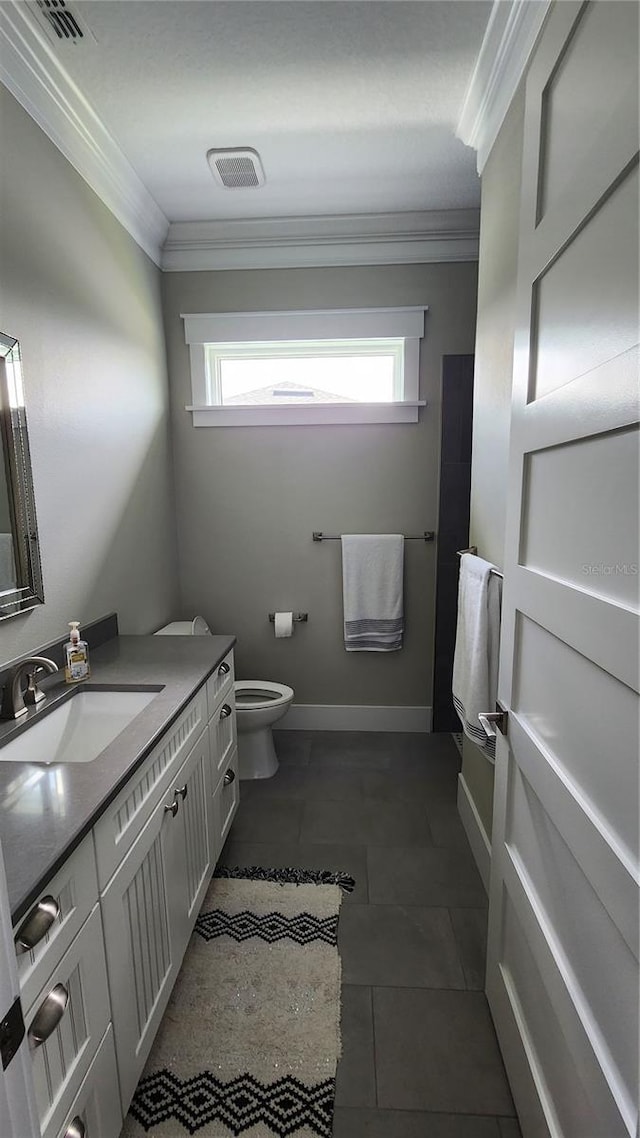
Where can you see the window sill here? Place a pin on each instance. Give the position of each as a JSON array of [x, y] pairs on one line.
[[317, 414]]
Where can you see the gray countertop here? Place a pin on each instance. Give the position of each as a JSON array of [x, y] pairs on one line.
[[46, 810]]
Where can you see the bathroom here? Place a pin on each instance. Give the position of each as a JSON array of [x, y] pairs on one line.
[[142, 514]]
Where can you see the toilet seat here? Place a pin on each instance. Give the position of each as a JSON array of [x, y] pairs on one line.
[[265, 695]]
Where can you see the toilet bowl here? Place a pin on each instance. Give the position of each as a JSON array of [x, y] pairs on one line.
[[258, 706]]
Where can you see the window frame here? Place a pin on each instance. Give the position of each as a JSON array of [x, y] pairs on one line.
[[304, 331]]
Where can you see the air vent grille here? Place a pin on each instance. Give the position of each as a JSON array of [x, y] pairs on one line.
[[236, 172], [238, 169], [61, 19]]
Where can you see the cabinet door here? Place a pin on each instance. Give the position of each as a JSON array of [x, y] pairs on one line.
[[97, 1104], [141, 913], [220, 684], [63, 1047], [115, 832], [225, 804], [193, 866], [222, 735]]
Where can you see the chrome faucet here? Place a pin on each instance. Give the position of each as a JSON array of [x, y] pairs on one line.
[[13, 697]]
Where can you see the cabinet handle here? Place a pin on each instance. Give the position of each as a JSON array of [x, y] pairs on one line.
[[48, 1015], [173, 809], [229, 777], [182, 791], [75, 1129], [225, 711], [224, 669], [39, 921]]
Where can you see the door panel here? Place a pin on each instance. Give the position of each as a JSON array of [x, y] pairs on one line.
[[568, 544], [584, 934], [558, 696], [606, 864], [577, 1099], [595, 74], [584, 317], [562, 976]]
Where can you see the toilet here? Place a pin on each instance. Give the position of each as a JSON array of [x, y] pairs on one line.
[[259, 704]]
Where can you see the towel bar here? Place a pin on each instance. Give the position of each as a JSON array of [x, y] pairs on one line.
[[427, 535], [474, 549]]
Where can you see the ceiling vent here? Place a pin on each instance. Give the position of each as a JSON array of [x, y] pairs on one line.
[[60, 21], [237, 169]]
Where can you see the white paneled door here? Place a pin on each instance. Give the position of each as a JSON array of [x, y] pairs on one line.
[[562, 975]]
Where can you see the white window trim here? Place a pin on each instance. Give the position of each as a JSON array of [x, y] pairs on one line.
[[202, 329]]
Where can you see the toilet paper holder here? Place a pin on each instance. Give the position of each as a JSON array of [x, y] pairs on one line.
[[298, 617]]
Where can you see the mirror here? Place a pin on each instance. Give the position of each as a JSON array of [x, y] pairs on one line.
[[20, 568]]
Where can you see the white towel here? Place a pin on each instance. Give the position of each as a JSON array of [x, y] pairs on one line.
[[475, 662], [372, 568]]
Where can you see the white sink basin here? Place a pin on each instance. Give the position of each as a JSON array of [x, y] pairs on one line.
[[78, 730]]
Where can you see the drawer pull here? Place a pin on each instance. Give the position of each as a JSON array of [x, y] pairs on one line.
[[172, 809], [182, 791], [225, 711], [229, 777], [75, 1129], [224, 669], [48, 1015], [39, 921]]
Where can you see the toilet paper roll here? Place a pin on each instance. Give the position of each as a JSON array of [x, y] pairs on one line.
[[283, 624]]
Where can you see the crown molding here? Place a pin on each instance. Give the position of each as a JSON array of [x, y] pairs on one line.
[[30, 70], [511, 35], [311, 242], [32, 73]]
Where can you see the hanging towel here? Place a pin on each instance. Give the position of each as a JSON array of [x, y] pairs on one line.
[[372, 567], [475, 662]]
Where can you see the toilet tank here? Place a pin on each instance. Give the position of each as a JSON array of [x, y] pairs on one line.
[[196, 627]]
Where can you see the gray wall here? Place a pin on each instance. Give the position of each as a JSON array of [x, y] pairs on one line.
[[84, 301], [499, 218], [248, 498]]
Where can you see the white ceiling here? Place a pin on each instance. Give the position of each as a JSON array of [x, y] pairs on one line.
[[352, 105]]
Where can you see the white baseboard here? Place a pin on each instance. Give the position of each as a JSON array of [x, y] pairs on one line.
[[354, 717], [475, 831]]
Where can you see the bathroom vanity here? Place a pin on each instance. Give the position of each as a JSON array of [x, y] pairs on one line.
[[107, 865]]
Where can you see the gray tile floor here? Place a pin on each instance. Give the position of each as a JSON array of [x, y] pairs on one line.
[[420, 1057]]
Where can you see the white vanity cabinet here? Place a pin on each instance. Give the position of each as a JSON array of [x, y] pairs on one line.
[[102, 945]]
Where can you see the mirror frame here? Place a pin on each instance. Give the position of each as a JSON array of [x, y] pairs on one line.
[[29, 590]]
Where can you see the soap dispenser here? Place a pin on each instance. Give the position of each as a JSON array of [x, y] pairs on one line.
[[76, 656]]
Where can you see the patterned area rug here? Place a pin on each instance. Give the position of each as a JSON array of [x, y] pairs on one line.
[[250, 1040]]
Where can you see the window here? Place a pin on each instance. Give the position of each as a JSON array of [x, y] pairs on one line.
[[343, 366]]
